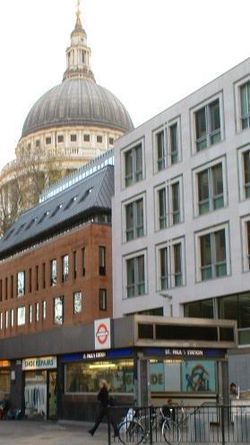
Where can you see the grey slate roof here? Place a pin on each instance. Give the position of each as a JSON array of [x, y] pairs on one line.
[[87, 198], [77, 102]]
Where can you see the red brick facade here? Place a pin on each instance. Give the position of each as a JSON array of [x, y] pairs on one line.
[[86, 275]]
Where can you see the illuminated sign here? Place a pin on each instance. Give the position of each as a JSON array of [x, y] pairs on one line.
[[4, 363], [30, 364], [93, 355]]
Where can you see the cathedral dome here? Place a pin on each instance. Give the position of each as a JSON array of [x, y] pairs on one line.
[[77, 101]]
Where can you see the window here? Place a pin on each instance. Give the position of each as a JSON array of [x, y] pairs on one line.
[[1, 321], [75, 264], [37, 313], [246, 166], [73, 138], [86, 137], [135, 268], [21, 316], [102, 260], [134, 219], [170, 266], [30, 313], [236, 307], [30, 279], [1, 290], [44, 309], [53, 272], [167, 146], [245, 105], [77, 302], [208, 125], [58, 310], [60, 138], [102, 299], [12, 317], [48, 140], [83, 261], [38, 143], [169, 200], [133, 165], [21, 284], [213, 255], [210, 189], [6, 320], [111, 141], [44, 275], [11, 286], [6, 288], [245, 226], [37, 277], [65, 268], [99, 139]]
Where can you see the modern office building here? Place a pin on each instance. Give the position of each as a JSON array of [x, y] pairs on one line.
[[181, 208]]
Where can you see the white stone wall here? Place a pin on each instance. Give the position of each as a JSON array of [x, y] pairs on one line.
[[226, 89]]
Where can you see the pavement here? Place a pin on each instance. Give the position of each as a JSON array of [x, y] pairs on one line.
[[31, 432]]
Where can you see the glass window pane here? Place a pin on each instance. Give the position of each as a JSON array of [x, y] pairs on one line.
[[176, 202], [58, 310], [162, 208], [164, 268], [177, 264], [173, 143], [138, 163], [215, 115], [200, 123], [77, 302], [161, 155]]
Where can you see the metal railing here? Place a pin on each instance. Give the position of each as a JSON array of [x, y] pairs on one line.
[[213, 424]]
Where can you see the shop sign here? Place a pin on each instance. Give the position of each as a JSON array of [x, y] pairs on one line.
[[4, 363], [30, 364], [102, 333], [184, 353], [93, 355]]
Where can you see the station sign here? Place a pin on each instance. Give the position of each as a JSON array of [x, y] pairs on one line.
[[185, 353], [30, 364], [102, 333]]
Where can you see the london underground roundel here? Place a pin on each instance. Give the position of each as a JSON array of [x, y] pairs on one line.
[[102, 334]]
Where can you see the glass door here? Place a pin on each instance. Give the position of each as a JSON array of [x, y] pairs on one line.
[[52, 395]]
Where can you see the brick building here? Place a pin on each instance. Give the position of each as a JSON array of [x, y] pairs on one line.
[[55, 278]]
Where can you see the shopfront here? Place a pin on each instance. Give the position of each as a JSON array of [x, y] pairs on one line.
[[5, 378], [40, 387]]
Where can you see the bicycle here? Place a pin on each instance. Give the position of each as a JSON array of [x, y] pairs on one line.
[[136, 427]]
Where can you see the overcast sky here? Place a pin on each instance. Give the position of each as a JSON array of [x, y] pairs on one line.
[[149, 53]]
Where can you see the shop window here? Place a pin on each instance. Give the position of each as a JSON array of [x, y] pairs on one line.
[[65, 268], [103, 299], [102, 260], [85, 377], [133, 162], [5, 381], [20, 284], [53, 272], [58, 310], [77, 302], [21, 316]]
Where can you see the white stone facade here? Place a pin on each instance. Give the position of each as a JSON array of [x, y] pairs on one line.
[[181, 208]]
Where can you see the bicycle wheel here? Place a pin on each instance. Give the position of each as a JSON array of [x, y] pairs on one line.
[[130, 432], [171, 432]]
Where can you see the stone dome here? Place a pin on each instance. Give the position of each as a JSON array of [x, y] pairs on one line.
[[77, 101]]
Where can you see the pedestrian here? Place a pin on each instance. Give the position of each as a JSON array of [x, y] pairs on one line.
[[104, 401]]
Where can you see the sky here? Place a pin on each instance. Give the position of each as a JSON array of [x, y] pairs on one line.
[[149, 53]]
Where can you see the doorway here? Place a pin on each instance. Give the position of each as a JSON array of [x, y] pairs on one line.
[[52, 395]]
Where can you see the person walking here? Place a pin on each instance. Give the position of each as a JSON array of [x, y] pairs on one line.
[[104, 400]]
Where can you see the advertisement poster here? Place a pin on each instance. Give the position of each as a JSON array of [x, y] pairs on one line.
[[198, 376]]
